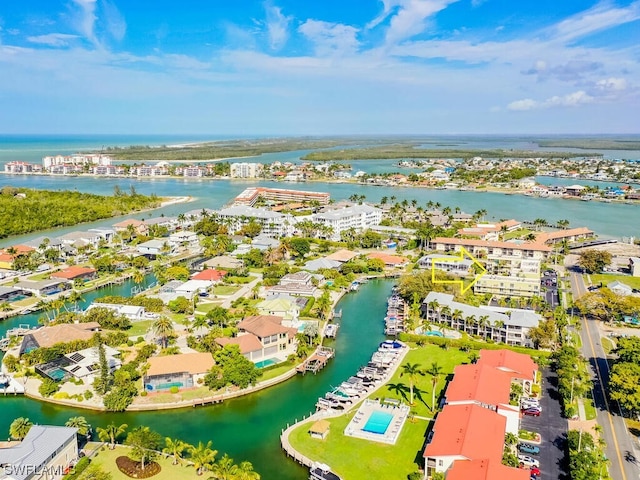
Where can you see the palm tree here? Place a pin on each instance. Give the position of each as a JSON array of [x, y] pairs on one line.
[[163, 328], [471, 320], [80, 423], [246, 472], [138, 276], [435, 371], [432, 306], [484, 323], [19, 428], [413, 371], [202, 456], [174, 448], [563, 224], [224, 469], [111, 433], [457, 315], [399, 388]]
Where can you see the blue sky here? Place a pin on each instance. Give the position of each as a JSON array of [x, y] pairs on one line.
[[319, 67]]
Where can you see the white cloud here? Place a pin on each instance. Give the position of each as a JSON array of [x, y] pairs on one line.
[[114, 21], [277, 26], [574, 99], [411, 17], [86, 19], [601, 17], [53, 39], [330, 38], [611, 84]]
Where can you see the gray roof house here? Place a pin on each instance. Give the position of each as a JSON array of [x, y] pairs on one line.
[[45, 453]]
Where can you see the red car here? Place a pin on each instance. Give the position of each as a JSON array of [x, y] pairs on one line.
[[531, 411]]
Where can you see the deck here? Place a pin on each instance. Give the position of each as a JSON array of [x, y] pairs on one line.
[[317, 361]]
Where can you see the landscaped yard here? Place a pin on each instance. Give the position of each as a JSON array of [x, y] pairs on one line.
[[139, 329], [106, 458], [225, 289], [633, 282], [204, 308], [347, 455]]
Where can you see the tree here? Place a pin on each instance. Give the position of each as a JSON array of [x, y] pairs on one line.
[[628, 350], [163, 328], [102, 383], [81, 424], [19, 428], [624, 386], [218, 315], [323, 305], [299, 246], [434, 371], [594, 261], [177, 272], [174, 448], [412, 371], [224, 469], [202, 456], [111, 433], [144, 444], [246, 472]]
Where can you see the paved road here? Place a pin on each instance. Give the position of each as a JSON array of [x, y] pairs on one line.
[[620, 446], [551, 427]]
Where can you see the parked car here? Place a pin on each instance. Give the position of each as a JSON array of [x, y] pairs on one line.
[[534, 412], [528, 461], [530, 403], [528, 448]]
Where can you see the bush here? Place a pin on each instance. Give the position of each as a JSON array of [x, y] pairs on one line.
[[174, 389], [143, 393], [61, 396], [80, 467], [133, 469], [48, 387], [88, 394]]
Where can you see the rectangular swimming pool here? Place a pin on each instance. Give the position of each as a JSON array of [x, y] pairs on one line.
[[266, 363], [378, 422]]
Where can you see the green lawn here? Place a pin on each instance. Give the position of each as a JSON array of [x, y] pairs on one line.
[[520, 233], [275, 371], [348, 455], [225, 289], [204, 308], [607, 345], [633, 282], [106, 458], [139, 328], [238, 280], [589, 408], [424, 356]]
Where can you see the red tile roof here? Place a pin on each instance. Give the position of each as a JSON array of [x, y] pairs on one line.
[[518, 365], [73, 272], [388, 259], [481, 383], [469, 431], [484, 470], [248, 343], [210, 274]]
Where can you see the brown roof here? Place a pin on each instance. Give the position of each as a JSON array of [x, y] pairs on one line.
[[544, 237], [320, 426], [263, 325], [66, 332], [486, 243], [342, 255], [193, 363], [248, 342], [388, 259], [73, 272], [127, 222]]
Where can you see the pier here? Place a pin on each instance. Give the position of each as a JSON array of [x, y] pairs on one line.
[[317, 361]]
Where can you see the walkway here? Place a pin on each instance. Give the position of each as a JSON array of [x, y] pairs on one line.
[[244, 291]]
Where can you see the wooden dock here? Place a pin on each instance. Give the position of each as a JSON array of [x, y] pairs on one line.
[[201, 402], [317, 361]]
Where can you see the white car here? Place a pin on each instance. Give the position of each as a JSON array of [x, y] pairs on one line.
[[528, 461]]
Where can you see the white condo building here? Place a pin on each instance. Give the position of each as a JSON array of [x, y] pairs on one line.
[[88, 159], [246, 170], [273, 224], [358, 217]]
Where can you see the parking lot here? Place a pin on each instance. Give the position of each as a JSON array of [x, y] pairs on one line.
[[552, 428], [549, 281]]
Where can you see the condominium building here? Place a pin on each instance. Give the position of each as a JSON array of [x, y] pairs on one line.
[[357, 217], [86, 159], [513, 265], [251, 195], [508, 285], [21, 167], [246, 170], [446, 263], [273, 224], [510, 326], [484, 248]]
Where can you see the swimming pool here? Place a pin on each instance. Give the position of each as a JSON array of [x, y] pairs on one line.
[[56, 374], [378, 422], [433, 333], [266, 363]]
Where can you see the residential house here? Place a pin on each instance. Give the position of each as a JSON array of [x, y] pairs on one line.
[[210, 274], [7, 258], [182, 371], [138, 226], [190, 288], [394, 261], [46, 453], [634, 266], [322, 264], [620, 288], [342, 255], [63, 333], [249, 345], [280, 307], [574, 190], [184, 238], [276, 340], [154, 247], [132, 312], [71, 274], [44, 287]]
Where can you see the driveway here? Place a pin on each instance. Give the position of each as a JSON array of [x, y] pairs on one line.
[[552, 428]]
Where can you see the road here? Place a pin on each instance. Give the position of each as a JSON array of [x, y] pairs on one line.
[[620, 446], [552, 428]]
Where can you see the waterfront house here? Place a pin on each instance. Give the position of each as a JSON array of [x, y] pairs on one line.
[[574, 190], [44, 287], [74, 273], [342, 255], [280, 307], [182, 370], [249, 345], [322, 264], [210, 275], [139, 226], [45, 453], [134, 313], [184, 238], [63, 333], [10, 294], [393, 261], [154, 247], [190, 288], [83, 364], [275, 339]]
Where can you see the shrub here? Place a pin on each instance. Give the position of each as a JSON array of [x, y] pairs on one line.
[[61, 396], [143, 393], [80, 467], [88, 394], [174, 389], [133, 469], [48, 387]]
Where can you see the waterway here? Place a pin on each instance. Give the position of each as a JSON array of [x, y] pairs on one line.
[[247, 428]]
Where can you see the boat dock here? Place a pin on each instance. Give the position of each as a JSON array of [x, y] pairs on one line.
[[331, 330], [201, 402], [317, 361]]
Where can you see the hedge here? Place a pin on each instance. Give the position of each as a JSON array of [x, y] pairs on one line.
[[80, 467]]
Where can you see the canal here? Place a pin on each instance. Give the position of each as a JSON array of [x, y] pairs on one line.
[[247, 428]]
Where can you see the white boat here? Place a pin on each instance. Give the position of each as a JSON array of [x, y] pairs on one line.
[[354, 286]]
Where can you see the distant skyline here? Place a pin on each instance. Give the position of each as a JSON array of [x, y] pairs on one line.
[[321, 67]]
